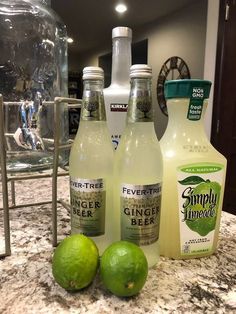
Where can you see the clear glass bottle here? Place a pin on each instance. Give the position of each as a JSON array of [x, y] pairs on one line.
[[193, 175], [117, 94], [138, 170], [33, 70], [91, 166]]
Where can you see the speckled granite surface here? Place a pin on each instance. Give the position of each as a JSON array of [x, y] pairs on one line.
[[206, 285]]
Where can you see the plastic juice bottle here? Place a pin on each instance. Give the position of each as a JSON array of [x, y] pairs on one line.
[[138, 170], [117, 94], [91, 166], [193, 175]]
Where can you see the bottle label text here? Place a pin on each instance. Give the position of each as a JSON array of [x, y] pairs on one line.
[[87, 206], [140, 213], [199, 195]]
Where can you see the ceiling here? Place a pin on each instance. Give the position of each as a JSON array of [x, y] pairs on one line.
[[89, 22]]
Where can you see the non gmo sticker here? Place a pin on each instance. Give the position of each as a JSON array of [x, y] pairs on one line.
[[196, 104]]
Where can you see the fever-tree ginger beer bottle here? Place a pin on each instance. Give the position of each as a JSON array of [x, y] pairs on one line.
[[138, 170], [91, 166], [117, 94], [193, 175]]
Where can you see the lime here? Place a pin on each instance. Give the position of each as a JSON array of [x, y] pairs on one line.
[[123, 268], [202, 213], [75, 262]]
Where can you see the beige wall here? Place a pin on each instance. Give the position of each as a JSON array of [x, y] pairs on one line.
[[182, 34]]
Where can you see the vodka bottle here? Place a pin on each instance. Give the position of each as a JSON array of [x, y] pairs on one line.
[[138, 170], [117, 94], [91, 166], [193, 175]]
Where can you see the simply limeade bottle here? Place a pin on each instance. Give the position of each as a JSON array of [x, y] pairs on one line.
[[138, 170], [91, 166], [193, 175]]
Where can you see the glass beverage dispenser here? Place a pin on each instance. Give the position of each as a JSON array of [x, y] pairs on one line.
[[33, 70]]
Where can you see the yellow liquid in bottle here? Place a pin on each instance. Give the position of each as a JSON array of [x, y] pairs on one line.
[[185, 143], [92, 158], [138, 162]]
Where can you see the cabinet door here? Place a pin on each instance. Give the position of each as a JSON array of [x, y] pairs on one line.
[[224, 108]]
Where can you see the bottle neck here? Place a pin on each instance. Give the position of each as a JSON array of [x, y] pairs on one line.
[[140, 101], [182, 120], [93, 107], [121, 60]]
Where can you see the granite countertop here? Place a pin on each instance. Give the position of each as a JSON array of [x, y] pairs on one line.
[[206, 285]]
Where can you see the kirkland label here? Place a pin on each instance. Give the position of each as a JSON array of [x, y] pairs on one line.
[[88, 199], [140, 213], [119, 107], [199, 193], [116, 121]]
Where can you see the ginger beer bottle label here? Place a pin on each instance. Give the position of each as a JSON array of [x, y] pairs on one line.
[[140, 106], [140, 213], [199, 193], [93, 108], [88, 206]]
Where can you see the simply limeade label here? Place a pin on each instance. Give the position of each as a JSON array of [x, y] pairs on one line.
[[199, 192], [88, 199], [140, 213]]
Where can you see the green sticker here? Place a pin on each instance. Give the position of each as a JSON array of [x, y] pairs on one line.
[[198, 95], [203, 168]]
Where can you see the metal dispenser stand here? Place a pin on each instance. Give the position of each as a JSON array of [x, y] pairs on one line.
[[12, 177]]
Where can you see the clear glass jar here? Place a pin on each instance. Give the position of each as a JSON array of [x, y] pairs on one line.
[[33, 71]]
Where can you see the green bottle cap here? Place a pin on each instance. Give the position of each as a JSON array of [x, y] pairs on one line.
[[198, 89]]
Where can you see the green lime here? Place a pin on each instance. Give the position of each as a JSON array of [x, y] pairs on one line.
[[75, 262], [202, 210], [123, 268]]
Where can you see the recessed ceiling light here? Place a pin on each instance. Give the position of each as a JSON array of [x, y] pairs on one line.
[[121, 8], [70, 40]]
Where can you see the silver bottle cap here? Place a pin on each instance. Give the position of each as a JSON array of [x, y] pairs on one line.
[[93, 73], [140, 70], [121, 31]]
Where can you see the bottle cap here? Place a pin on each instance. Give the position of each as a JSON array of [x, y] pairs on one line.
[[140, 70], [93, 73], [121, 31], [187, 88]]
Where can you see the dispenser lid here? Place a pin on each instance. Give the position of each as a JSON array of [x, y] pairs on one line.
[[121, 31], [140, 71], [187, 88], [93, 73]]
